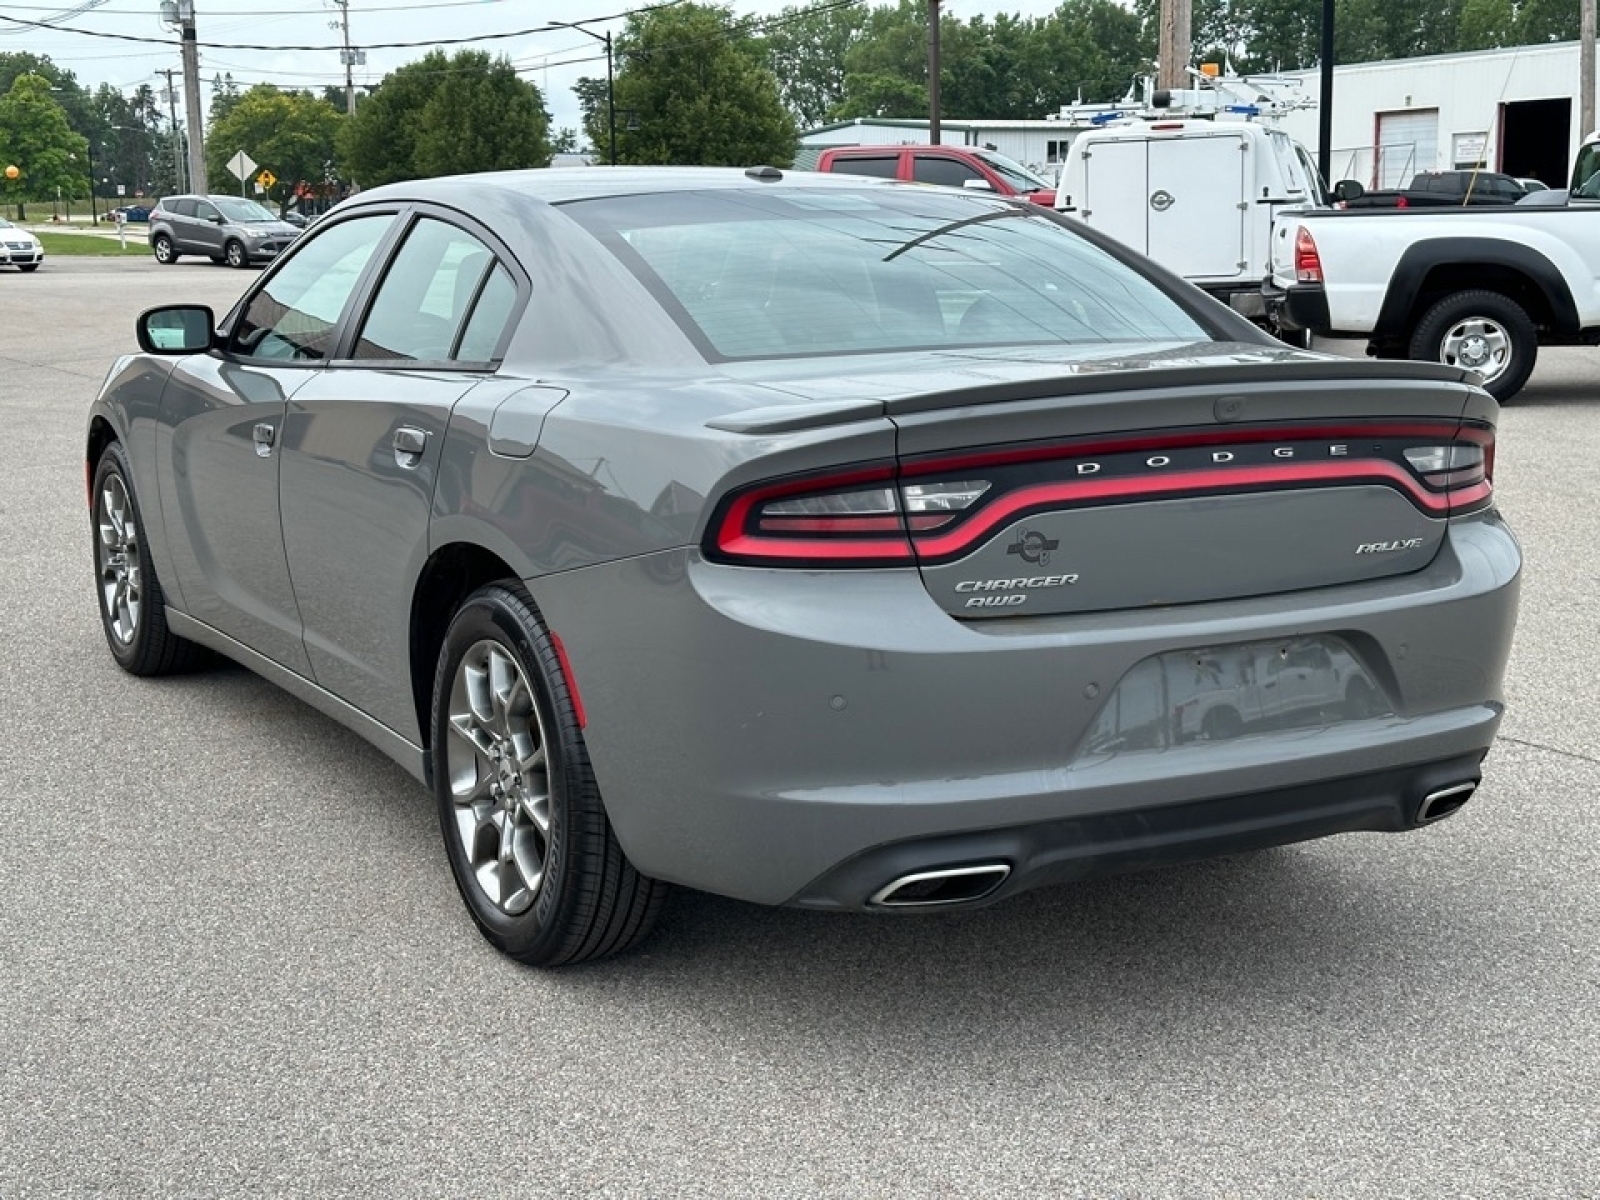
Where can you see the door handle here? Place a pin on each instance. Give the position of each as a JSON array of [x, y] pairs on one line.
[[265, 434], [409, 444]]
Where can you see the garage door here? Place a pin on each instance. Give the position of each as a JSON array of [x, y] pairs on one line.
[[1408, 142]]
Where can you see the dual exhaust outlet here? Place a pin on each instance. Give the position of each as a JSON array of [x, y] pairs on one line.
[[964, 885]]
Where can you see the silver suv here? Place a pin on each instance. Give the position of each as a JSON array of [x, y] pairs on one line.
[[228, 229]]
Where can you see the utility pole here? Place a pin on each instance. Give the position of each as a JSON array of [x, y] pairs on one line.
[[191, 98], [933, 72], [1585, 68], [172, 113], [611, 83], [350, 58], [1325, 104], [1174, 48]]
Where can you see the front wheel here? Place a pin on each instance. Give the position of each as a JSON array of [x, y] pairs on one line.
[[1482, 331], [166, 253], [235, 255], [529, 843], [29, 268]]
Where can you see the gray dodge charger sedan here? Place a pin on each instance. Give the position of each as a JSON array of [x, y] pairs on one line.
[[811, 540]]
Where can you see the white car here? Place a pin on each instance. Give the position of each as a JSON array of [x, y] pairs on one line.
[[19, 248]]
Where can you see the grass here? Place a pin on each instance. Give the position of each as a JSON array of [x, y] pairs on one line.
[[78, 245]]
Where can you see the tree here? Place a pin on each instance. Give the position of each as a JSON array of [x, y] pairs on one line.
[[806, 53], [36, 138], [225, 94], [693, 90], [292, 134], [446, 115]]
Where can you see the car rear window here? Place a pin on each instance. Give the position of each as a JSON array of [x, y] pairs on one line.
[[832, 271]]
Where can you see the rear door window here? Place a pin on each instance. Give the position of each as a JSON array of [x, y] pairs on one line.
[[181, 208], [438, 280], [884, 166]]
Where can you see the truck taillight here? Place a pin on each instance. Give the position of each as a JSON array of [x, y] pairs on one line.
[[1307, 262]]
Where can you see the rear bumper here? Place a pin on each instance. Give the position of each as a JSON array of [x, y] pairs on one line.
[[763, 733], [1300, 307], [1074, 848]]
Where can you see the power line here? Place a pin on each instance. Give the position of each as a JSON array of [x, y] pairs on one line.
[[457, 41]]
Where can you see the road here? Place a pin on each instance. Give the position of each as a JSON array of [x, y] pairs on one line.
[[234, 960]]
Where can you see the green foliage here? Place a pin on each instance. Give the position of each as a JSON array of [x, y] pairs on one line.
[[692, 88], [806, 52], [225, 95], [446, 115], [292, 134], [37, 139]]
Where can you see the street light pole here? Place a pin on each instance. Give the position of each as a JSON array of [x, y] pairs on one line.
[[611, 82], [94, 217]]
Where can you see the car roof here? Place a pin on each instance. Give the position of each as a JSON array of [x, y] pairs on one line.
[[593, 183]]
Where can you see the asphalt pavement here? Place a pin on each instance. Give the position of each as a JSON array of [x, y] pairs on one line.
[[232, 960]]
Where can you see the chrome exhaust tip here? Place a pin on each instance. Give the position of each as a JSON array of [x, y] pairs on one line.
[[1437, 805], [935, 889]]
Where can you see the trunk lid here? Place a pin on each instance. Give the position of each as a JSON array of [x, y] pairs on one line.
[[1052, 481], [1175, 479]]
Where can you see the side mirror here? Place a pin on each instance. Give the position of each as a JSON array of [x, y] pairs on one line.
[[977, 185], [176, 329], [1348, 190]]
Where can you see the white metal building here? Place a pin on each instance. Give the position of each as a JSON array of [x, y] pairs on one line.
[[1038, 145], [1512, 110]]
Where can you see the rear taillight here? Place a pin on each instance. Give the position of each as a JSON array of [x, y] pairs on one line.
[[940, 508], [1462, 468], [1307, 262], [851, 519]]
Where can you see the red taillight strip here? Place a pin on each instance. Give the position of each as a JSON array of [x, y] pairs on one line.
[[743, 545], [1010, 505], [1210, 437]]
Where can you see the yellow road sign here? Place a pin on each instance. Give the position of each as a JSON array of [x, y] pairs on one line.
[[266, 179]]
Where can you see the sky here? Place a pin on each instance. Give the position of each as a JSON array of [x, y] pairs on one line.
[[550, 58]]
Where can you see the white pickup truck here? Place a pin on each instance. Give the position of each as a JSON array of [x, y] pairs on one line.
[[1480, 288]]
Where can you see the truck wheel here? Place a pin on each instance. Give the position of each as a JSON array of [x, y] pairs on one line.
[[1483, 331]]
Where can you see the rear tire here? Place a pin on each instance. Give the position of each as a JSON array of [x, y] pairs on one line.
[[1482, 331], [527, 836], [133, 608], [166, 253]]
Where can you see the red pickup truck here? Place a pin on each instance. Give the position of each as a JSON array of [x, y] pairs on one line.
[[952, 166]]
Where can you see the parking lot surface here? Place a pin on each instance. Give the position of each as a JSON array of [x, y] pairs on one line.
[[232, 959]]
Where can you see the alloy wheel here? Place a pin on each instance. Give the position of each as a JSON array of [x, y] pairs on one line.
[[499, 777], [121, 585]]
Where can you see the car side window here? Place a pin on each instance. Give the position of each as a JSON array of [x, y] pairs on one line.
[[427, 295], [181, 208], [204, 211], [884, 166], [490, 316], [294, 315], [927, 168]]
